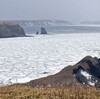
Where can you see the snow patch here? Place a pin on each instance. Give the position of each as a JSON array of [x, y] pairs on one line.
[[85, 78], [84, 73]]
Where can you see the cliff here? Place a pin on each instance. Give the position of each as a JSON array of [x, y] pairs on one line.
[[11, 30]]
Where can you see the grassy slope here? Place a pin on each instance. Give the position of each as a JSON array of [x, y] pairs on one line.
[[24, 92]]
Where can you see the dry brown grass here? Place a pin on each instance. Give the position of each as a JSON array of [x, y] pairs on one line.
[[24, 92]]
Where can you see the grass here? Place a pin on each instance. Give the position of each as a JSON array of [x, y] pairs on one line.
[[25, 92]]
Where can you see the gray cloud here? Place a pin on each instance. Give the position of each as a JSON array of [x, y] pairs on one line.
[[72, 10]]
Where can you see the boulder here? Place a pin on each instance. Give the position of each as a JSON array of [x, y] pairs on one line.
[[11, 30], [43, 31]]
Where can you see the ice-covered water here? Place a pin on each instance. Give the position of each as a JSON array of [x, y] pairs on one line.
[[27, 58]]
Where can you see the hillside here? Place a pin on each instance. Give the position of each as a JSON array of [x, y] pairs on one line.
[[29, 23], [85, 72]]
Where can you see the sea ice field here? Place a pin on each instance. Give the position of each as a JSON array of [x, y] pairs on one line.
[[26, 58]]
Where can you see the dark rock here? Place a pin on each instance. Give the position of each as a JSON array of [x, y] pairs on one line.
[[37, 32], [91, 65], [84, 77], [45, 72], [11, 30], [43, 31], [91, 68]]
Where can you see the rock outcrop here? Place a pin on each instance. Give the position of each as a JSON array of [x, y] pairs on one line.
[[11, 30], [43, 31], [85, 72]]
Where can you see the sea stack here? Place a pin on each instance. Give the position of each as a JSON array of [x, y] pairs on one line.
[[43, 31], [11, 30]]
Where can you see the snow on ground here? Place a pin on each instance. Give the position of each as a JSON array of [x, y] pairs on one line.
[[27, 58], [88, 77]]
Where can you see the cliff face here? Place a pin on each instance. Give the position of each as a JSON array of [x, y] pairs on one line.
[[10, 30]]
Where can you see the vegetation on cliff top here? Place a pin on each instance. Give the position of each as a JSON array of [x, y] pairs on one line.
[[25, 92]]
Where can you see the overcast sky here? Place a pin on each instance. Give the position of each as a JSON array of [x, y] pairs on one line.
[[71, 10]]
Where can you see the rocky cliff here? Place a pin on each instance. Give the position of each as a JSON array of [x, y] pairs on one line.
[[11, 30]]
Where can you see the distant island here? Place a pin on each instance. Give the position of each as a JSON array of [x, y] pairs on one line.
[[90, 22]]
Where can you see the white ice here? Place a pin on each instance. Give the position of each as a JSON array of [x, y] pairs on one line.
[[28, 58]]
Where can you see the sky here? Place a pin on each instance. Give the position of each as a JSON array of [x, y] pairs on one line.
[[70, 10]]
